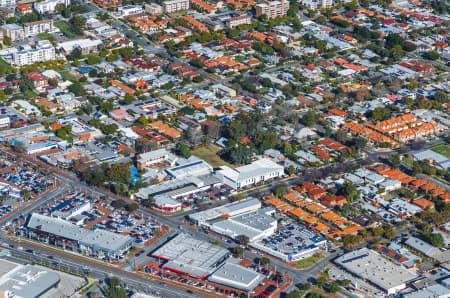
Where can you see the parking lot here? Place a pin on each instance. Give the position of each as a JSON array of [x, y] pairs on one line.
[[25, 179], [92, 213], [291, 239]]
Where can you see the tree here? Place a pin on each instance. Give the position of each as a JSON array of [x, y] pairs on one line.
[[334, 287], [432, 55], [310, 118], [77, 89], [349, 191], [119, 172], [393, 39], [26, 83], [380, 113], [132, 207], [321, 282], [143, 121], [279, 191], [389, 232], [128, 99], [77, 24], [345, 282], [441, 96], [149, 203], [118, 204], [184, 150], [243, 240], [436, 239], [395, 160], [264, 261]]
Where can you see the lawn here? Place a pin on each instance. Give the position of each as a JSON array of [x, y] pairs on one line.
[[67, 76], [65, 28], [5, 63], [46, 36], [442, 149], [31, 93], [209, 154], [407, 161], [308, 262]]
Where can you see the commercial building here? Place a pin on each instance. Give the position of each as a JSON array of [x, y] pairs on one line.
[[193, 166], [229, 210], [160, 156], [272, 9], [175, 5], [4, 121], [49, 6], [257, 172], [254, 224], [58, 232], [372, 267], [422, 247], [187, 255], [26, 280], [80, 130], [37, 27], [238, 277], [44, 51]]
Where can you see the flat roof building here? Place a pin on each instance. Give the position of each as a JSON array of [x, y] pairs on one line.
[[236, 276], [187, 255], [422, 247], [371, 266], [97, 243]]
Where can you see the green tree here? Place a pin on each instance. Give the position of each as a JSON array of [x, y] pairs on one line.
[[334, 287], [321, 282], [184, 150], [26, 83], [243, 240], [149, 202], [77, 89], [132, 207], [433, 55], [264, 261], [436, 239], [349, 191], [380, 113], [119, 172], [395, 160], [143, 121], [310, 118], [393, 39], [279, 191], [118, 204], [389, 232], [441, 96]]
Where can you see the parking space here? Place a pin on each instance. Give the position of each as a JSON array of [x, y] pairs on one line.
[[94, 214], [27, 180]]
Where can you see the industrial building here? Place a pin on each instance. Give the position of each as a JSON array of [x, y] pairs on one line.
[[258, 172], [187, 255], [26, 280], [372, 267], [58, 232]]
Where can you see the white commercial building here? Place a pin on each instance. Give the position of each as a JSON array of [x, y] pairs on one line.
[[49, 6], [175, 5], [44, 51], [129, 10], [259, 171], [236, 276], [371, 266]]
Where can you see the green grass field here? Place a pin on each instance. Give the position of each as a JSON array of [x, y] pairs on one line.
[[46, 36], [209, 154], [65, 28], [6, 64], [442, 149], [308, 262]]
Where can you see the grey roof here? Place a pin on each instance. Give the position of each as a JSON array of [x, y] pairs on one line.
[[191, 255], [237, 276], [422, 246], [430, 155], [367, 264], [436, 290], [97, 239], [28, 281]]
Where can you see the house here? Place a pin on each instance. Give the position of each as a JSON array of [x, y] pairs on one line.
[[24, 9], [40, 81]]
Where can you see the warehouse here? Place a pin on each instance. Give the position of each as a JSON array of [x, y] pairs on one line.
[[258, 172], [374, 268], [187, 255], [58, 232]]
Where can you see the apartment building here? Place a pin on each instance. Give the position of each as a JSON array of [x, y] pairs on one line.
[[153, 9], [175, 5], [44, 51], [108, 3], [317, 4], [13, 31], [238, 18], [49, 6], [4, 3], [37, 27], [272, 9], [129, 10], [202, 6], [196, 25]]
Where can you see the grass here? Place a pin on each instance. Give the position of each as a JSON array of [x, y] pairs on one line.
[[90, 286], [46, 36], [308, 262], [65, 28], [407, 161], [31, 93], [209, 154], [442, 149], [67, 76], [5, 63]]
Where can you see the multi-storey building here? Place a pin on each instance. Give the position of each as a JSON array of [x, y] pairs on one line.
[[153, 9], [272, 8], [37, 27], [108, 3], [175, 5], [49, 6], [317, 4], [238, 18], [44, 51], [13, 31], [7, 3]]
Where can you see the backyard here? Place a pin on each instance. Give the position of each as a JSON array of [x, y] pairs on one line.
[[209, 154]]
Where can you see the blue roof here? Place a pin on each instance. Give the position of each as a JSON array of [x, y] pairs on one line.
[[85, 69]]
